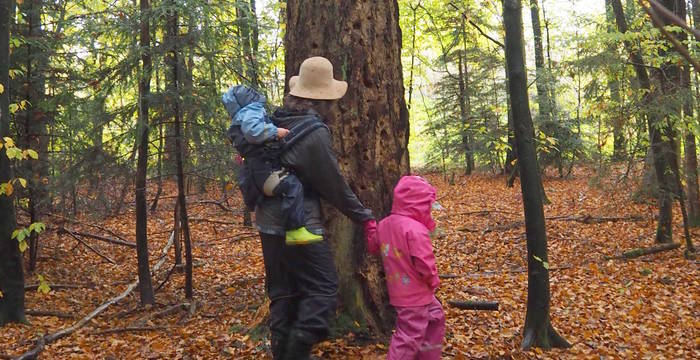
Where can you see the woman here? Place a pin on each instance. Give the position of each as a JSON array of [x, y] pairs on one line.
[[301, 281]]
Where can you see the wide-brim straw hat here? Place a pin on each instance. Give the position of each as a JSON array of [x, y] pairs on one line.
[[315, 81]]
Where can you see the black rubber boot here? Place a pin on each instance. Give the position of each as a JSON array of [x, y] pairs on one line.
[[278, 345], [299, 345]]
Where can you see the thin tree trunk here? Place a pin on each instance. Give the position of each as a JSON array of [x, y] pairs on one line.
[[369, 126], [661, 150], [614, 87], [538, 330], [691, 158], [414, 9], [145, 284], [172, 25], [545, 111], [11, 268]]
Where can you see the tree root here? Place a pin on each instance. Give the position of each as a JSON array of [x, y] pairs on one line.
[[551, 339]]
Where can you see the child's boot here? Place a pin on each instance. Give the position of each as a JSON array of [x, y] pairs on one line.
[[301, 236]]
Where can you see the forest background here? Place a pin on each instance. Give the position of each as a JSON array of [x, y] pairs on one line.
[[111, 113]]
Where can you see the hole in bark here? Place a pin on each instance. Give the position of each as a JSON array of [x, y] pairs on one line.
[[314, 45], [356, 25]]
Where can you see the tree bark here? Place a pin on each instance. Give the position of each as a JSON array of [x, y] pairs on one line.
[[369, 126], [144, 271], [538, 330], [661, 149], [11, 268]]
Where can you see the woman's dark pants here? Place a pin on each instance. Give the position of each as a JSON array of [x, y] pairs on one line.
[[302, 285]]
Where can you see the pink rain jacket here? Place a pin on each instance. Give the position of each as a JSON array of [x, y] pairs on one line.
[[404, 242]]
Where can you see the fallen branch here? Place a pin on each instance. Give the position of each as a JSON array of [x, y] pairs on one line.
[[90, 247], [585, 219], [63, 230], [57, 314], [43, 340], [76, 221], [588, 219], [474, 305], [635, 253], [195, 219], [60, 286], [129, 329], [213, 202]]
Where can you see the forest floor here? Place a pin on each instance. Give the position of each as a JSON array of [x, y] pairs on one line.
[[641, 308]]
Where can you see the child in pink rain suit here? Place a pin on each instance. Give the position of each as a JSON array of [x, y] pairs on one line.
[[403, 241]]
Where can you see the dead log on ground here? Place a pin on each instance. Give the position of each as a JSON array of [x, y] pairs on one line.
[[474, 305]]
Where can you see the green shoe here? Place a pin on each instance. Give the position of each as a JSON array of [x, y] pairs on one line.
[[301, 236]]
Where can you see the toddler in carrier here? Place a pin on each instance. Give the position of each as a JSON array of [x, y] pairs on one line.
[[260, 143]]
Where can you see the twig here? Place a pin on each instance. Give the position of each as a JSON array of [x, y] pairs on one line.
[[129, 329], [32, 354], [213, 202], [90, 247], [57, 314]]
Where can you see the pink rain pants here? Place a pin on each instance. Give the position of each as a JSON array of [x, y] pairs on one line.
[[419, 333]]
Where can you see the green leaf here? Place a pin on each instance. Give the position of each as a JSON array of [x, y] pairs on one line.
[[15, 233], [23, 246], [37, 227], [545, 265], [22, 182], [2, 89], [537, 258], [44, 287], [32, 154], [21, 235], [14, 153], [13, 108]]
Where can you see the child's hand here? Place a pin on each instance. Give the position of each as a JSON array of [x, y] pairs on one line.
[[282, 132]]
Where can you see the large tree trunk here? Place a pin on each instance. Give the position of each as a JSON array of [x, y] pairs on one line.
[[662, 149], [11, 269], [145, 285], [369, 125], [538, 330]]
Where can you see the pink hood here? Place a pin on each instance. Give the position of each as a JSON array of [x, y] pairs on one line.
[[414, 197]]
